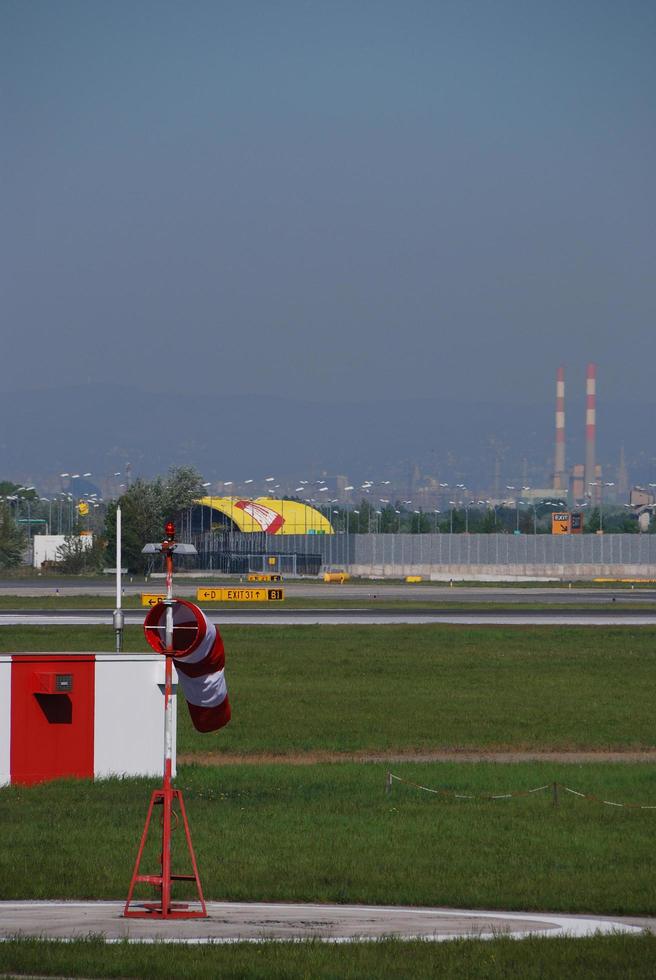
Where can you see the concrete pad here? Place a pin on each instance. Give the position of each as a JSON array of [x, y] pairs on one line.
[[230, 922]]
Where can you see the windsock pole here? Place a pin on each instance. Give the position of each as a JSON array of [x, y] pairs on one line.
[[168, 689], [168, 730]]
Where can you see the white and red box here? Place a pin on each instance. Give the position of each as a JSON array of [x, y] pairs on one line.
[[83, 715]]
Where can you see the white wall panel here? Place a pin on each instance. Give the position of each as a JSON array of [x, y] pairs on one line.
[[5, 719], [129, 715]]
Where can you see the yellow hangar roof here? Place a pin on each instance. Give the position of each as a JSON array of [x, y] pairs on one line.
[[271, 516]]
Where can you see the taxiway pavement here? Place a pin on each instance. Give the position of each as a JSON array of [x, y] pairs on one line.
[[347, 617], [230, 922]]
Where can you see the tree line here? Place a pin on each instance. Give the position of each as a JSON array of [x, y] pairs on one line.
[[146, 505]]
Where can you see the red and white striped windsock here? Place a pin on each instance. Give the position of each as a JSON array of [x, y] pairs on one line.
[[199, 659]]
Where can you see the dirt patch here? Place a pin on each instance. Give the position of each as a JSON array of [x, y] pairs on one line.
[[442, 755]]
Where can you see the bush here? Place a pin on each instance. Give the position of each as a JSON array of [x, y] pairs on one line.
[[81, 554], [12, 538]]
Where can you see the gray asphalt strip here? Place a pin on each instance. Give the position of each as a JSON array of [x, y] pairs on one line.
[[349, 618]]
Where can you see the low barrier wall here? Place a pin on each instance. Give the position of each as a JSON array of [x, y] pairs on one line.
[[507, 573], [503, 557]]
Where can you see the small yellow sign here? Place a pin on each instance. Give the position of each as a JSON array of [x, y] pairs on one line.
[[150, 599], [272, 561], [83, 508], [267, 577], [560, 523], [240, 595]]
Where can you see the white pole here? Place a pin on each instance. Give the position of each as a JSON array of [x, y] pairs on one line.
[[118, 612], [169, 602], [118, 557], [168, 690]]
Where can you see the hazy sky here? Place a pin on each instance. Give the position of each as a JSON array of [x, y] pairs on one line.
[[329, 199]]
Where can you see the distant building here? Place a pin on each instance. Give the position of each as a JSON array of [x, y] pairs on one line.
[[639, 497], [259, 515], [580, 492], [46, 547], [622, 477], [577, 482], [535, 494]]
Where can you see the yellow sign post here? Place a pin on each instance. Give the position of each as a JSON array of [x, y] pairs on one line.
[[266, 577], [240, 595], [565, 522], [560, 523], [150, 599]]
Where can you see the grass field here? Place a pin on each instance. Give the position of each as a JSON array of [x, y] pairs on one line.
[[546, 959], [323, 600], [24, 576], [387, 688], [420, 688], [330, 833]]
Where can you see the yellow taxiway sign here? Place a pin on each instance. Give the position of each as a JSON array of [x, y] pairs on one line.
[[150, 599], [240, 595]]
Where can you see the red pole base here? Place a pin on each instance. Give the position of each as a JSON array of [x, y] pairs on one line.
[[164, 907]]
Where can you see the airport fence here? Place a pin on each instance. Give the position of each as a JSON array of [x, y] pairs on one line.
[[504, 549], [401, 554]]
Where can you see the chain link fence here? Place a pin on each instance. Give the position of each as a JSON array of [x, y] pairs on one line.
[[395, 555], [506, 549]]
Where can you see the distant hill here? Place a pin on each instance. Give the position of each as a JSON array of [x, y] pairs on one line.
[[101, 427]]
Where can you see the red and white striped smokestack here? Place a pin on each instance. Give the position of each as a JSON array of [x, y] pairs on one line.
[[559, 454], [590, 428]]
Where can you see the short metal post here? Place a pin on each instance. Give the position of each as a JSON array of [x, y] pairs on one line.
[[388, 784], [119, 622], [555, 793]]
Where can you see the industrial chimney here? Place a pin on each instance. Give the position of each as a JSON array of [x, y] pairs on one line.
[[590, 430], [559, 454]]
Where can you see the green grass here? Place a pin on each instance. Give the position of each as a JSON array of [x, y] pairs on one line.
[[329, 833], [71, 638], [346, 689], [404, 688], [377, 600], [536, 957], [50, 600]]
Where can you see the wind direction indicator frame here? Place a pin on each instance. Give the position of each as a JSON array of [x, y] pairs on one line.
[[164, 907]]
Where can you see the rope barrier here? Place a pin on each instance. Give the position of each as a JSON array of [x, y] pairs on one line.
[[464, 796], [554, 787], [591, 798]]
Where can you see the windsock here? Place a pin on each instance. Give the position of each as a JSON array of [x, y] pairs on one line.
[[199, 659]]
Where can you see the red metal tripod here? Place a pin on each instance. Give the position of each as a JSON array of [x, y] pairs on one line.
[[164, 907]]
